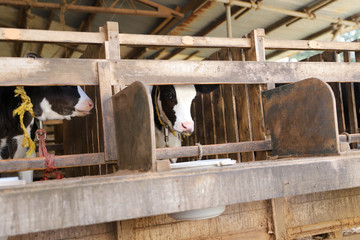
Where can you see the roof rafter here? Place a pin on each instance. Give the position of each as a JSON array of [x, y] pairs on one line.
[[169, 24], [161, 11], [22, 21], [85, 26], [317, 34], [298, 14], [288, 20], [48, 25], [209, 28]]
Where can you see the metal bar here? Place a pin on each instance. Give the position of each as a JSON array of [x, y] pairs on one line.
[[161, 12], [289, 12], [228, 20]]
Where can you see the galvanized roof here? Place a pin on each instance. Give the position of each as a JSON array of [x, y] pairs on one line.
[[320, 20]]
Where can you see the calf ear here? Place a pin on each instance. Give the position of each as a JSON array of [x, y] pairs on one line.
[[206, 88]]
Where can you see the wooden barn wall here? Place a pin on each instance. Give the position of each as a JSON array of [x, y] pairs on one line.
[[347, 95], [232, 113], [105, 231], [85, 134]]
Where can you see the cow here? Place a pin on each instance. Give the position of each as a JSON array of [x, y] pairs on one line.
[[172, 115], [49, 103]]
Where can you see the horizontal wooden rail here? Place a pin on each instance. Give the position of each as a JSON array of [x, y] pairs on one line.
[[182, 41], [161, 153], [44, 71], [118, 197], [51, 36], [88, 159], [191, 151], [235, 72], [350, 138], [24, 71], [311, 45]]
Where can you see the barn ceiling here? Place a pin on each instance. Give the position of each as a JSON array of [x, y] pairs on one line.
[[281, 19]]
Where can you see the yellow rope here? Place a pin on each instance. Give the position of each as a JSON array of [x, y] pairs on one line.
[[26, 106]]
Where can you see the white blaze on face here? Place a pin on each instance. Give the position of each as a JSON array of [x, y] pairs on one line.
[[82, 108], [85, 104], [185, 94]]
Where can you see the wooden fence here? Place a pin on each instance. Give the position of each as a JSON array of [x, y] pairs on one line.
[[272, 209]]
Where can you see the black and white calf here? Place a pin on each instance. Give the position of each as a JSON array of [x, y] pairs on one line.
[[172, 104], [49, 103]]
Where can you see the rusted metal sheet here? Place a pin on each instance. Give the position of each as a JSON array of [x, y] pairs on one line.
[[301, 119], [134, 130]]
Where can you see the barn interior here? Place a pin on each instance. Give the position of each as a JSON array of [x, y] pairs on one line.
[[320, 207], [323, 20]]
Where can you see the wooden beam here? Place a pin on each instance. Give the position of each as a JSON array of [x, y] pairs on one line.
[[32, 35], [107, 111], [188, 72], [193, 151], [160, 12], [48, 36], [181, 41], [112, 198], [60, 162], [311, 45], [23, 71]]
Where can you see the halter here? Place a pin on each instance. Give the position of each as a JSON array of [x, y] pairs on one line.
[[166, 127]]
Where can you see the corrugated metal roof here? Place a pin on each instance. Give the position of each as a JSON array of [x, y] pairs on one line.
[[195, 21]]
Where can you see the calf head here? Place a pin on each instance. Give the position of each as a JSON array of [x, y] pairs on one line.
[[58, 102], [173, 105]]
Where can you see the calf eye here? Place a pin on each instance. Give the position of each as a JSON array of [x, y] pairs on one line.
[[169, 95]]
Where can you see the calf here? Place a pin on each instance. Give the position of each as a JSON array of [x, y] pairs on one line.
[[172, 114], [51, 102]]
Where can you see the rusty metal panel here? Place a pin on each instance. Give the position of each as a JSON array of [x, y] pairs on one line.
[[301, 119]]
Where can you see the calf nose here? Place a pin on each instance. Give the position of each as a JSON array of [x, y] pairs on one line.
[[91, 104], [187, 127]]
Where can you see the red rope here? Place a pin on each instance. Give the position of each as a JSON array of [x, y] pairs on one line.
[[50, 170]]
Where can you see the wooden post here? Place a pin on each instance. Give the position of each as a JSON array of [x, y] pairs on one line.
[[257, 53], [107, 110], [350, 94], [336, 87], [111, 51], [280, 211]]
